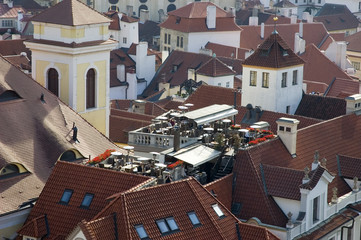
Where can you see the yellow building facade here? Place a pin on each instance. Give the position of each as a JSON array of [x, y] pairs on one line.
[[71, 59]]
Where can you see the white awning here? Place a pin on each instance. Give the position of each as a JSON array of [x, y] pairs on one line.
[[197, 154], [211, 113]]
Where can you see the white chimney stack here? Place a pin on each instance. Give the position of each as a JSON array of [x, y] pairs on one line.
[[253, 21], [287, 131], [262, 30], [20, 16], [121, 72], [293, 19], [211, 17], [301, 29]]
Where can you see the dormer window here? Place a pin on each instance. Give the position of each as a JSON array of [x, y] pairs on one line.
[[167, 225], [141, 231], [218, 211], [66, 196], [194, 219], [87, 200]]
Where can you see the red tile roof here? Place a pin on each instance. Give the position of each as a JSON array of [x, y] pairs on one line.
[[327, 137], [183, 61], [349, 167], [354, 42], [7, 12], [176, 200], [343, 87], [335, 221], [70, 13], [222, 188], [197, 10], [314, 33], [206, 95], [191, 18], [320, 107], [215, 68], [226, 51], [62, 218], [318, 68], [273, 53]]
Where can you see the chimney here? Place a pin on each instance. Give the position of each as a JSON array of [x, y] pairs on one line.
[[300, 44], [253, 21], [287, 131], [141, 55], [129, 10], [232, 11], [300, 30], [293, 19], [341, 55], [211, 16], [144, 15], [306, 178], [121, 72], [20, 16], [10, 3], [353, 103], [206, 51], [262, 30], [309, 18], [305, 16]]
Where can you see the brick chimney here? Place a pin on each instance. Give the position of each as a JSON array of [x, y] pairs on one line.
[[211, 16], [353, 103], [287, 131]]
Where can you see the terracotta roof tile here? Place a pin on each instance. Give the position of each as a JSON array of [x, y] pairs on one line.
[[176, 200], [215, 68], [318, 68], [70, 13], [314, 33], [197, 10], [115, 23], [7, 12], [349, 167], [282, 182], [175, 69], [342, 87], [63, 217], [36, 227], [223, 189], [320, 107], [191, 18], [273, 53], [102, 228], [354, 42], [226, 51], [330, 225]]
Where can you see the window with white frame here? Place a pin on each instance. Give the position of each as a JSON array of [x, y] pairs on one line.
[[218, 210], [124, 40], [265, 80], [316, 209], [7, 23], [356, 65], [284, 80], [253, 78], [294, 77]]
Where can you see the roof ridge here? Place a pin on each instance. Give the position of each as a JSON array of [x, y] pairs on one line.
[[200, 200], [125, 210]]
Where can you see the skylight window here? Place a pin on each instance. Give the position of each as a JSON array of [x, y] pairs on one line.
[[218, 210], [141, 231], [87, 200], [167, 225], [194, 219], [66, 196]]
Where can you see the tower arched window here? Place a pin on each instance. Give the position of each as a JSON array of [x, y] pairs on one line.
[[90, 88], [53, 81]]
